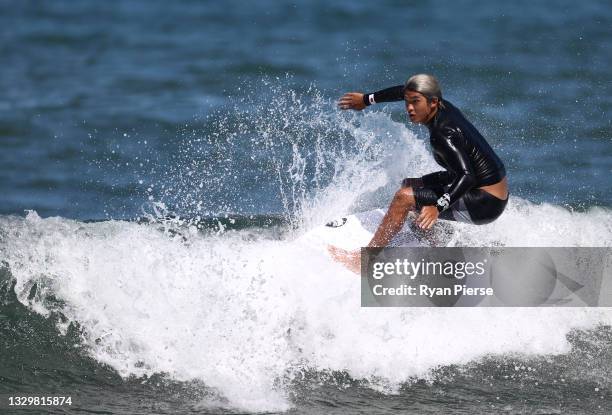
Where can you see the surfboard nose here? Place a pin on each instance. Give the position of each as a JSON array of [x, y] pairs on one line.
[[336, 223]]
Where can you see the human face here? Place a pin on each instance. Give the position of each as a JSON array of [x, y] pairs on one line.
[[419, 110]]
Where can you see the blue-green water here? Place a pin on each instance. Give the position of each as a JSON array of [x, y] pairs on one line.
[[85, 85], [115, 116]]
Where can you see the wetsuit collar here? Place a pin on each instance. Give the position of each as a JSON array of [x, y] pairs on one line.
[[433, 120]]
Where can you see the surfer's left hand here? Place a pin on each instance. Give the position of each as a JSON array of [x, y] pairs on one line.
[[350, 259], [428, 216]]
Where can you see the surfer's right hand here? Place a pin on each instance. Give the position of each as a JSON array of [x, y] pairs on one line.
[[352, 101]]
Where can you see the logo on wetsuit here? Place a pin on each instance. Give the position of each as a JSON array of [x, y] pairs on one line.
[[444, 202]]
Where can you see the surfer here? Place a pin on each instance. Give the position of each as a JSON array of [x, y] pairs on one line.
[[473, 187]]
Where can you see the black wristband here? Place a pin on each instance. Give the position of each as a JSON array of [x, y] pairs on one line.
[[366, 100]]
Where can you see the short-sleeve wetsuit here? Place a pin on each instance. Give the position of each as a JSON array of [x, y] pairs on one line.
[[469, 160]]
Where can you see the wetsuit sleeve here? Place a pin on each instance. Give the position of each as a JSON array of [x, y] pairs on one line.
[[439, 178], [459, 166], [395, 93]]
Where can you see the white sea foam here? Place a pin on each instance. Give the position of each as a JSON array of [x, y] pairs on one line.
[[243, 312]]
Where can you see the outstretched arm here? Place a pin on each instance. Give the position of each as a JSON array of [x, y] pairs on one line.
[[358, 101]]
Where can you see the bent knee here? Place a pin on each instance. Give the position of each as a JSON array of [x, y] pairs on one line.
[[405, 196]]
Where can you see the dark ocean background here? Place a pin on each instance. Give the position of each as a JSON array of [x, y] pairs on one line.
[[155, 157]]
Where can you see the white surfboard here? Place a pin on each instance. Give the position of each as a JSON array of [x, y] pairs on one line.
[[355, 231]]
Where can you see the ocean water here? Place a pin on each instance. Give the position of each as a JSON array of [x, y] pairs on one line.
[[160, 161]]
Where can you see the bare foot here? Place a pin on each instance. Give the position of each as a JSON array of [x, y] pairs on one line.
[[350, 259]]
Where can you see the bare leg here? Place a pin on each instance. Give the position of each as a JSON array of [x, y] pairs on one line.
[[394, 219]]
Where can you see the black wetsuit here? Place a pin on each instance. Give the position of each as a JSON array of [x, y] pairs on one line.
[[469, 162]]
